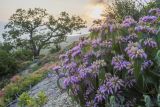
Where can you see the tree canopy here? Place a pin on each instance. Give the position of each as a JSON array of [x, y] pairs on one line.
[[35, 29]]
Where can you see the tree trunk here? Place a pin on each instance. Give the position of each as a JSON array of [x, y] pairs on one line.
[[57, 47], [36, 53]]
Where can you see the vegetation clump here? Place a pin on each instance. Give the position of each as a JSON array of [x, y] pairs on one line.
[[118, 65]]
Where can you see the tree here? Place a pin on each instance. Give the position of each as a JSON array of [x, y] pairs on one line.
[[35, 29], [122, 8]]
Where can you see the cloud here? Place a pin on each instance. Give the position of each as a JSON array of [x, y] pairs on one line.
[[98, 1]]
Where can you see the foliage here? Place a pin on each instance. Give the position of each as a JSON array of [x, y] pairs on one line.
[[8, 65], [150, 5], [42, 98], [55, 49], [22, 55], [25, 100], [118, 65], [34, 29], [11, 61], [20, 84], [121, 8]]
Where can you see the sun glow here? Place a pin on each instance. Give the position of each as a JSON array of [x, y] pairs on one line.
[[97, 11]]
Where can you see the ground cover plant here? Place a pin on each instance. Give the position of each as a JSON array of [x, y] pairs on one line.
[[21, 84], [117, 65]]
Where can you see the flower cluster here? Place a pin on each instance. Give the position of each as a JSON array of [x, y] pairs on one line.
[[150, 43], [150, 19], [119, 63], [134, 51], [146, 29], [131, 38], [156, 11], [128, 22], [111, 86], [97, 68]]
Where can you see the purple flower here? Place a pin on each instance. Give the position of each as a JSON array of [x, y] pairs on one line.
[[71, 66], [128, 22], [66, 82], [150, 43], [78, 52], [156, 11], [130, 82], [107, 44], [76, 48], [74, 79], [150, 19], [84, 72], [129, 38], [97, 64], [146, 64], [119, 63], [106, 89], [116, 83], [99, 98], [83, 43], [89, 104], [130, 69], [146, 29], [56, 68], [63, 56], [96, 43], [134, 50]]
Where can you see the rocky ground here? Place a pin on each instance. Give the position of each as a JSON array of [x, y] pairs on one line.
[[56, 97]]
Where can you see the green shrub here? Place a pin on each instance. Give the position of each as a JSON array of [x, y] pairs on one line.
[[22, 55], [118, 66], [16, 88], [8, 65], [41, 98], [25, 100]]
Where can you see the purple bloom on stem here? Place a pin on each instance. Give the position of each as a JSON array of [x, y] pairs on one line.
[[74, 79], [134, 51], [146, 29], [66, 82], [106, 89], [146, 64], [76, 53], [75, 48], [128, 22], [150, 43], [119, 63], [56, 68], [96, 43], [99, 98], [156, 11], [116, 83], [151, 19], [71, 66], [130, 82], [63, 56]]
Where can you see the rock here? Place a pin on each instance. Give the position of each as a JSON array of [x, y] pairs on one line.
[[56, 98]]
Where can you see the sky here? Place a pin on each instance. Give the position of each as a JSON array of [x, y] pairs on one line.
[[87, 9]]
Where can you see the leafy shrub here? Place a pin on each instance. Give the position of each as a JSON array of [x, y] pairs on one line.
[[117, 66], [55, 49], [23, 55], [41, 98], [8, 65], [25, 100], [20, 85]]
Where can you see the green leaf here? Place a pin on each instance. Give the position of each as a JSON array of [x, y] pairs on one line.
[[147, 101]]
